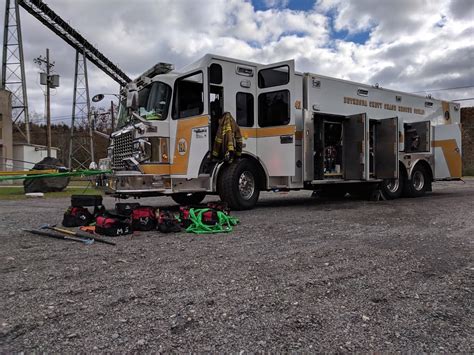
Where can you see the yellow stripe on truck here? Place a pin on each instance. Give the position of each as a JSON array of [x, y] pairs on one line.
[[268, 131], [184, 131], [451, 155]]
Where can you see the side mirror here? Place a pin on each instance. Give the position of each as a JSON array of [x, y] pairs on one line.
[[132, 96]]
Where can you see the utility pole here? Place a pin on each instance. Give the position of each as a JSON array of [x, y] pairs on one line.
[[51, 81], [48, 106], [112, 115]]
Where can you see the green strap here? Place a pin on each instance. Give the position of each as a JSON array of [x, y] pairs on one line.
[[81, 173], [224, 222]]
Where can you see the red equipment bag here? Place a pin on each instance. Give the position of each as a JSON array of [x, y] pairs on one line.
[[112, 226], [143, 218], [184, 216], [76, 217], [210, 217]]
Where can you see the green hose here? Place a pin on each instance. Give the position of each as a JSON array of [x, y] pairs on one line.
[[224, 223], [81, 173]]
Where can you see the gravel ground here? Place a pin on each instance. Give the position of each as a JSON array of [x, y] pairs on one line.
[[296, 274]]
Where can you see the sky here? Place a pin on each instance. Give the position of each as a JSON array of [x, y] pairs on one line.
[[407, 45]]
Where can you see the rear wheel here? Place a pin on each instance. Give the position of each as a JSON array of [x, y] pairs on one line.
[[417, 185], [238, 185], [393, 188], [193, 198]]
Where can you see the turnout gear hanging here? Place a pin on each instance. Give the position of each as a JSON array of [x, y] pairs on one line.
[[228, 141]]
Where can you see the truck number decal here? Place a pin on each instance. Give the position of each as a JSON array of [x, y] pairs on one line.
[[182, 146]]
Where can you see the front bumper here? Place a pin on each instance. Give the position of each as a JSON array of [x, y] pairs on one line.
[[134, 183]]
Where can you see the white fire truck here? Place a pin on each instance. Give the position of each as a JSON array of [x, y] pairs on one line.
[[300, 131]]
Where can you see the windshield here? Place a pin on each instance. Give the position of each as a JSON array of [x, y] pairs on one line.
[[122, 113], [153, 101]]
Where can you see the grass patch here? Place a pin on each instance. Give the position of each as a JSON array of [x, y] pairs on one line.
[[17, 192]]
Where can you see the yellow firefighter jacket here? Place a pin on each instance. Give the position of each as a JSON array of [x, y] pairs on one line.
[[228, 141]]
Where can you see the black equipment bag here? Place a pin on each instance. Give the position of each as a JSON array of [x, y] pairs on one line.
[[86, 200], [126, 208], [77, 216], [168, 222]]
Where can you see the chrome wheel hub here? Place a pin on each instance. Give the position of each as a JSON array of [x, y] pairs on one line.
[[418, 180], [246, 185], [393, 185]]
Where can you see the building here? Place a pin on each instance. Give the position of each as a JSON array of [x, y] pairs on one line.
[[467, 121], [6, 130]]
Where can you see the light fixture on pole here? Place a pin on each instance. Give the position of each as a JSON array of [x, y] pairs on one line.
[[51, 81], [100, 97]]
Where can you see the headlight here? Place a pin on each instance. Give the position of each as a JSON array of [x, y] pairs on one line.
[[104, 164], [110, 152], [142, 149]]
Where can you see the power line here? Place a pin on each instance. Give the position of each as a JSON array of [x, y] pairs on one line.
[[469, 98], [442, 89]]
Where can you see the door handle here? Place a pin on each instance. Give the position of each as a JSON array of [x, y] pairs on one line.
[[286, 139]]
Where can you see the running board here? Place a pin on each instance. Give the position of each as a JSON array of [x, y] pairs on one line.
[[339, 181]]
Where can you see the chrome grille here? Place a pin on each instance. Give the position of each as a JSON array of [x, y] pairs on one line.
[[123, 147]]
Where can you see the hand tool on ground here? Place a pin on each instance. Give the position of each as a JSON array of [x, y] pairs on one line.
[[59, 236], [79, 234]]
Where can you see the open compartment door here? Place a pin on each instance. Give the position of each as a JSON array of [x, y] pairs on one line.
[[386, 148], [276, 118], [354, 147], [447, 151]]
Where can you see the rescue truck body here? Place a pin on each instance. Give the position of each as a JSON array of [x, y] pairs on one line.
[[300, 131]]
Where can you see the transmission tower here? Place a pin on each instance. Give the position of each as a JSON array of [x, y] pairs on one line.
[[81, 144], [13, 67]]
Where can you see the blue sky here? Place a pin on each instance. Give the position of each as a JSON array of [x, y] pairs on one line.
[[300, 5]]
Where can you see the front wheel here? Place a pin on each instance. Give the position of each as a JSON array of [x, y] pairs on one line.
[[418, 184], [187, 199], [238, 185]]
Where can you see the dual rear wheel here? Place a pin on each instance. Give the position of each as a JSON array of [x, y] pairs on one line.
[[416, 186]]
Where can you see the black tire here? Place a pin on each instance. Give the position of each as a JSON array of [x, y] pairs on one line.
[[238, 185], [417, 185], [393, 188], [188, 199]]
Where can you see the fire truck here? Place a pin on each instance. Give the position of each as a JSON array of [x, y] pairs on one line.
[[300, 131]]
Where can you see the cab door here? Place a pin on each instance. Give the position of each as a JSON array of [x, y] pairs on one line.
[[385, 148], [276, 117], [189, 125], [355, 147]]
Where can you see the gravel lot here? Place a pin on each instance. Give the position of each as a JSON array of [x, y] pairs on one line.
[[296, 274]]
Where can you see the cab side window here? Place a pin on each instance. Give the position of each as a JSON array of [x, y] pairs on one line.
[[274, 108], [271, 77], [244, 106], [188, 96]]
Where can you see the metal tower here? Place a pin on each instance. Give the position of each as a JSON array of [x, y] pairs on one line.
[[81, 144], [13, 67]]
